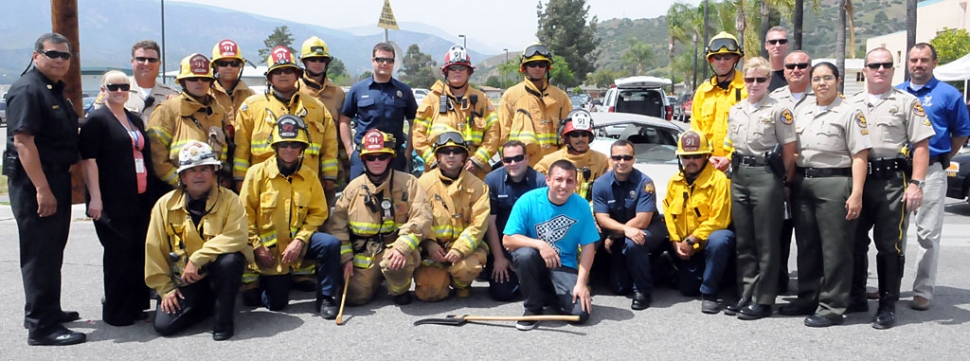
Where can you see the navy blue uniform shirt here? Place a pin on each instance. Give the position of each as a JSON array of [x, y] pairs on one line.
[[503, 192], [622, 200], [384, 106]]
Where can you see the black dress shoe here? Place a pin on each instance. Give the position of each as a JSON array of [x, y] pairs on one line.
[[68, 316], [885, 318], [328, 308], [818, 320], [733, 308], [795, 310], [59, 337], [403, 299], [641, 301], [754, 311], [856, 307], [223, 334]]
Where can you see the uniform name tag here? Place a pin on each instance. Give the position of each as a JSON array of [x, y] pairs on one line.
[[503, 195], [139, 165]]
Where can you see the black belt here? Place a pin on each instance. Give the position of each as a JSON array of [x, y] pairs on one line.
[[886, 164], [824, 172], [750, 160]]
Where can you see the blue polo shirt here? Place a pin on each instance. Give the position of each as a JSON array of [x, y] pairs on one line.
[[503, 192], [384, 106], [622, 200], [564, 227], [945, 107]]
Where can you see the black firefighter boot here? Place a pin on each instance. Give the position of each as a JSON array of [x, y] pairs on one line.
[[890, 269]]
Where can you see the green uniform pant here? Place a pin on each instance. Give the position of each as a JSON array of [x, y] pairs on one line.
[[825, 242], [365, 281], [884, 212], [757, 210]]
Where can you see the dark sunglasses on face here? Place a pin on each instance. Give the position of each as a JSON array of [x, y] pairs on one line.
[[580, 134], [458, 68], [286, 70], [791, 66], [453, 151], [142, 59], [192, 80], [233, 63], [54, 54], [116, 87], [376, 157], [515, 158], [384, 60], [316, 60], [692, 156], [758, 80], [622, 157], [292, 145], [876, 66], [537, 64], [778, 41], [723, 56]]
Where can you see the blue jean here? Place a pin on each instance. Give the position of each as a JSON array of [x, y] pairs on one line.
[[323, 248], [357, 165], [542, 286], [704, 270]]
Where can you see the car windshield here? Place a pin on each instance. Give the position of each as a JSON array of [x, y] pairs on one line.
[[651, 144]]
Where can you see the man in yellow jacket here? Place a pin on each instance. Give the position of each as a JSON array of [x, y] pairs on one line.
[[196, 248], [576, 132], [531, 110], [455, 253], [192, 115], [227, 66], [379, 219], [256, 117], [316, 59], [697, 211], [715, 97], [285, 206], [453, 104]]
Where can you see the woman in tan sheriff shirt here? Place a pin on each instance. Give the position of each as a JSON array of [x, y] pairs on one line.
[[833, 144], [756, 127]]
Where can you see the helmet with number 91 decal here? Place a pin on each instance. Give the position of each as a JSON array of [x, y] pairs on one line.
[[194, 66]]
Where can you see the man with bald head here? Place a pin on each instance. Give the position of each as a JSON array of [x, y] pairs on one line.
[[796, 94]]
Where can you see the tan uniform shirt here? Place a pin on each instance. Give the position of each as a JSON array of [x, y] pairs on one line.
[[828, 138], [784, 96], [754, 129], [136, 98], [896, 119]]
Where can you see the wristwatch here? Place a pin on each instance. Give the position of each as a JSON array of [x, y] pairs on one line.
[[689, 241], [917, 182]]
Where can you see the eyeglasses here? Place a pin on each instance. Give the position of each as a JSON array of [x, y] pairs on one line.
[[537, 49], [384, 60], [233, 63], [287, 71], [316, 60], [376, 157], [452, 151], [515, 158], [537, 64], [142, 59], [192, 80], [778, 41], [116, 87], [458, 67], [826, 78], [54, 54], [876, 66], [758, 80], [791, 66], [580, 134], [292, 145], [692, 156], [723, 56], [621, 157]]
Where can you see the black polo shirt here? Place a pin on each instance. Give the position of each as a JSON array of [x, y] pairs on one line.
[[36, 105], [503, 192]]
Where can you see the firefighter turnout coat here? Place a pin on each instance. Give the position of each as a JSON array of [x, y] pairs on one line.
[[176, 122], [532, 116], [474, 117]]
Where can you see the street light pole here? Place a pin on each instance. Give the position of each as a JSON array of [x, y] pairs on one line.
[[506, 64], [163, 42]]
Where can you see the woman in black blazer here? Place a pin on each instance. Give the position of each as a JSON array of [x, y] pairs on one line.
[[121, 192]]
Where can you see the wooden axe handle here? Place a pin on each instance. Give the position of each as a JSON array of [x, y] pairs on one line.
[[524, 318]]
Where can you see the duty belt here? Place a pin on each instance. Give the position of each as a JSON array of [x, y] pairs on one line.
[[750, 160], [885, 168], [824, 172]]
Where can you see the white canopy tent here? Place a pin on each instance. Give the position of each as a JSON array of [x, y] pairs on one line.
[[955, 71]]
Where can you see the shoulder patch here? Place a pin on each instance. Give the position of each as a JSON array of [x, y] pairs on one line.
[[786, 117], [649, 188], [244, 106], [918, 109], [860, 120]]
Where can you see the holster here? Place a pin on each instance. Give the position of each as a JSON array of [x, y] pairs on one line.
[[775, 163], [11, 164]]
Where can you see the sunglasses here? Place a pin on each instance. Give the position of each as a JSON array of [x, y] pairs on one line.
[[291, 145], [791, 66], [621, 157], [515, 158], [54, 54], [580, 134], [384, 60], [287, 70], [758, 80], [192, 80], [723, 56], [876, 66], [778, 41], [452, 151], [142, 59], [692, 156], [537, 64], [116, 87], [458, 67], [316, 60], [233, 63], [376, 157]]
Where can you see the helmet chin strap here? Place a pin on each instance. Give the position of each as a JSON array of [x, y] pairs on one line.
[[314, 75]]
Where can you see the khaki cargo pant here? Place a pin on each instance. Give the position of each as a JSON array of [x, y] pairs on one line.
[[365, 281], [431, 279]]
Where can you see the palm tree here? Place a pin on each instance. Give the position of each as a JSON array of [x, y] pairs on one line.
[[840, 43], [850, 15], [685, 25], [638, 56], [910, 30], [797, 17], [740, 23]]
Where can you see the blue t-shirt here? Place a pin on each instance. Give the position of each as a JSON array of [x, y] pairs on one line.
[[564, 227], [384, 106], [622, 200], [945, 107], [503, 192]]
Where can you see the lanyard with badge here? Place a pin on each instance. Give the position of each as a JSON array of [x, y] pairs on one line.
[[137, 144]]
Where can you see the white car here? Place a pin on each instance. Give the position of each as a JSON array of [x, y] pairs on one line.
[[419, 94], [654, 143]]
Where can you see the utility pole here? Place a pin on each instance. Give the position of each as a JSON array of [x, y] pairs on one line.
[[64, 22], [706, 35], [163, 42], [506, 63]]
